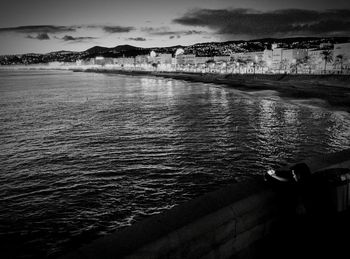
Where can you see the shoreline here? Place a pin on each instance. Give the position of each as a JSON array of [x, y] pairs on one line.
[[334, 89]]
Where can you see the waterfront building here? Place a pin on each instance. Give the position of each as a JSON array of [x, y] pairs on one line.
[[185, 59], [293, 59], [341, 57], [124, 61], [342, 49], [267, 58], [315, 56], [326, 45], [318, 63], [84, 62], [277, 57], [163, 58], [255, 56], [98, 61], [222, 58], [79, 62], [141, 59], [291, 55], [108, 61], [202, 60]]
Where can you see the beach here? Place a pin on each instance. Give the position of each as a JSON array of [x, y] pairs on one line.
[[333, 89]]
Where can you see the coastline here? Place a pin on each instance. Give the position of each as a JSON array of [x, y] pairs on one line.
[[334, 89]]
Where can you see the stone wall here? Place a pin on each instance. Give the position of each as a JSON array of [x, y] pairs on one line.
[[222, 224]]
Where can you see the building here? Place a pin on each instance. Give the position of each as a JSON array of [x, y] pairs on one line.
[[292, 55], [185, 59], [277, 57], [163, 58], [202, 60], [108, 61], [222, 58], [141, 59], [267, 57], [124, 61], [326, 45], [249, 56], [293, 59], [342, 49], [341, 57], [83, 62], [98, 61], [317, 61]]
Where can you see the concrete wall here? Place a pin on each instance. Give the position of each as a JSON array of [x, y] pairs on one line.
[[243, 220], [222, 224]]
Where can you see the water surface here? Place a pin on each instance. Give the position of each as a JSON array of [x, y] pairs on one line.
[[84, 154]]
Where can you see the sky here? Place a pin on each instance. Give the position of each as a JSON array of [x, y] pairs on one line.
[[42, 26]]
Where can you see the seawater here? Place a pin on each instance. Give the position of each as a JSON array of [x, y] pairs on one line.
[[84, 154]]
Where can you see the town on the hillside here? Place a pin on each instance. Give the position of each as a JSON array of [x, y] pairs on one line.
[[327, 59], [257, 57]]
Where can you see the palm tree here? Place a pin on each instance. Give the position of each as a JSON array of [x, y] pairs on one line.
[[307, 61], [254, 62], [239, 62], [243, 62], [283, 65], [339, 61], [261, 65], [297, 63], [327, 57], [209, 63], [154, 65]]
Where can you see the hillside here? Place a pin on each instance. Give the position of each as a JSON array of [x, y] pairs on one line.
[[199, 49]]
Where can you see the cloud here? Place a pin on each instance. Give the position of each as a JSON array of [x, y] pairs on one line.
[[166, 31], [40, 36], [53, 29], [71, 38], [40, 29], [285, 22], [137, 39], [117, 29]]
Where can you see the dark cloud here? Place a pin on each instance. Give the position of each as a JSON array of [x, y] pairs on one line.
[[253, 23], [137, 39], [40, 29], [173, 37], [40, 36], [166, 31], [52, 29], [117, 29], [71, 38]]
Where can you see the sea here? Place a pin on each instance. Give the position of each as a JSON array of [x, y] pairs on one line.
[[85, 154]]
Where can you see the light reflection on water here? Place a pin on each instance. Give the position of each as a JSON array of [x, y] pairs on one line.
[[85, 154]]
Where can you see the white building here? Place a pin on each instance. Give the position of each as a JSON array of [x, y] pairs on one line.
[[222, 58], [185, 59], [98, 61], [292, 55], [341, 57], [124, 61], [202, 60], [164, 59], [317, 61], [267, 57], [277, 57], [141, 59]]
